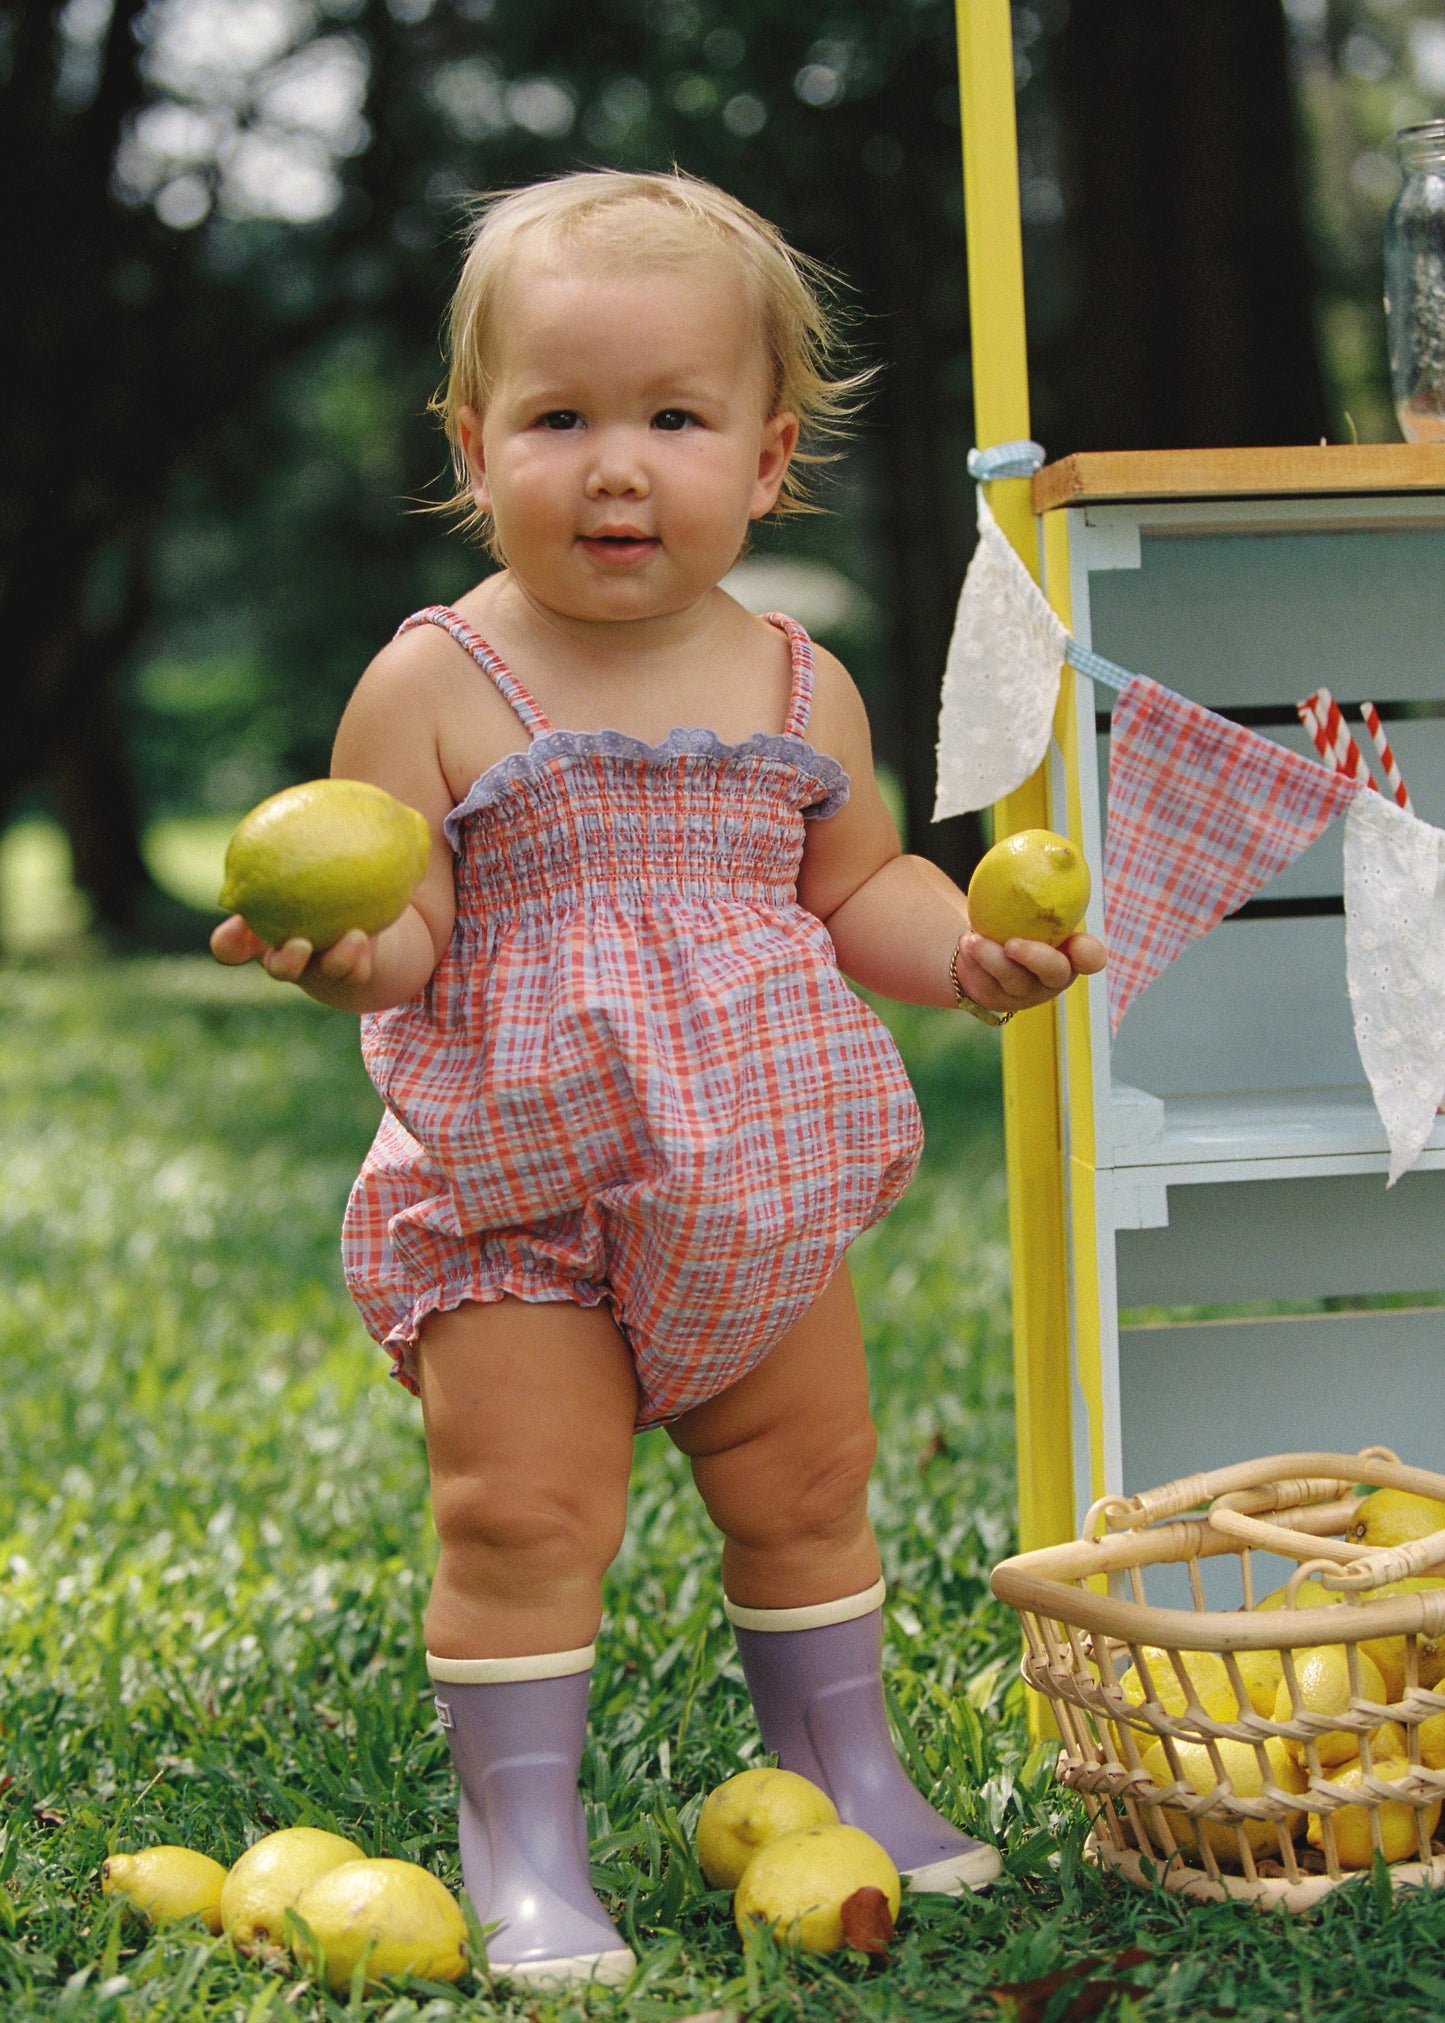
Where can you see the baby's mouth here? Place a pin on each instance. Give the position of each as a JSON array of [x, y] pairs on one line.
[[620, 549]]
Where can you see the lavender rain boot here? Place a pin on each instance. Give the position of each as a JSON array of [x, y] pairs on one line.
[[816, 1681], [515, 1728]]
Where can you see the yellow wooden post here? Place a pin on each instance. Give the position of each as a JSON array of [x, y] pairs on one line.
[[1033, 1129]]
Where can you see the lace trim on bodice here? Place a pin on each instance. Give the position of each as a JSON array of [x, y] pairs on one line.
[[780, 747]]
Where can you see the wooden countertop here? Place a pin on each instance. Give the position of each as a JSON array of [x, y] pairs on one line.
[[1298, 470]]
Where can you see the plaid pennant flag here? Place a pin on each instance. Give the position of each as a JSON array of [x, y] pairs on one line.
[[1202, 813]]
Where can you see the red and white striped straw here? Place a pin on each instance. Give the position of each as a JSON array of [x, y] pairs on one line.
[[1320, 715], [1387, 758]]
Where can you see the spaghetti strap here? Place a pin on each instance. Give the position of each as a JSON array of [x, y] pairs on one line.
[[800, 652], [534, 720]]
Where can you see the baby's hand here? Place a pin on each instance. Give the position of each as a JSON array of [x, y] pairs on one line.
[[1016, 975], [346, 961]]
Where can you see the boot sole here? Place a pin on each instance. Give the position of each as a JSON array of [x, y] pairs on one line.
[[960, 1873], [606, 1969]]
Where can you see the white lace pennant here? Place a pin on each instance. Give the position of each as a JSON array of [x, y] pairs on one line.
[[1395, 962], [1000, 681]]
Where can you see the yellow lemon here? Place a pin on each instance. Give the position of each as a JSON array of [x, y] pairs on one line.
[[270, 1876], [1432, 1742], [1246, 1779], [1261, 1672], [1033, 884], [398, 1915], [1389, 1652], [324, 857], [1394, 1517], [1309, 1596], [799, 1883], [1324, 1684], [748, 1811], [1206, 1669], [167, 1884], [1352, 1822]]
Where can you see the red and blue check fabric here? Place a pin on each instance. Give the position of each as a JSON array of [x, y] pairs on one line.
[[637, 1075], [1202, 814]]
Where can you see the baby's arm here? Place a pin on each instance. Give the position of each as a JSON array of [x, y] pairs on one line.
[[387, 735], [897, 920]]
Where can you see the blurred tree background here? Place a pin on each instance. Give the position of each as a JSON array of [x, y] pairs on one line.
[[232, 227]]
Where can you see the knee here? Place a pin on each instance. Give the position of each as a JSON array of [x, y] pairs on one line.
[[775, 1491], [543, 1526]]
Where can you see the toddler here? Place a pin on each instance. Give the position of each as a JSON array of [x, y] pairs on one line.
[[634, 1116]]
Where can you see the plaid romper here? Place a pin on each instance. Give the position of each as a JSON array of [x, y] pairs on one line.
[[636, 1074]]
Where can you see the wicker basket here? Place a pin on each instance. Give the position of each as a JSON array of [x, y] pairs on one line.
[[1087, 1619]]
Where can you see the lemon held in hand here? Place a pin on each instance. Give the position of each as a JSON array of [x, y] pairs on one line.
[[1033, 885], [317, 860], [167, 1884], [748, 1811], [409, 1920], [800, 1882]]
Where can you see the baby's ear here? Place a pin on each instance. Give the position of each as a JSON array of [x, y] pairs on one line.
[[469, 436], [780, 439]]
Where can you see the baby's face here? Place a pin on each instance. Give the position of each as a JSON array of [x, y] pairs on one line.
[[627, 443]]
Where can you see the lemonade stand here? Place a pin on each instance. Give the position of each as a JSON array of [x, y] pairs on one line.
[[1208, 1264]]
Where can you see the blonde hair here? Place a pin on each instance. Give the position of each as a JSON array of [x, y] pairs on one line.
[[632, 219]]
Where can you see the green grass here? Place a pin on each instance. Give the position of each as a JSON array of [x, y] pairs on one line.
[[214, 1547]]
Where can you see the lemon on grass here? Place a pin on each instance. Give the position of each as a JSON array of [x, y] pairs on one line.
[[270, 1876], [748, 1811], [396, 1914], [324, 857], [1324, 1684], [167, 1884], [1241, 1765], [1395, 1517], [800, 1882], [1034, 885], [1398, 1835]]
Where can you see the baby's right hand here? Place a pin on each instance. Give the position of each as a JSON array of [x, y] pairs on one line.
[[347, 961]]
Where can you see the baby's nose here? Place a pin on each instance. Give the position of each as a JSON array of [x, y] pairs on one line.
[[617, 470]]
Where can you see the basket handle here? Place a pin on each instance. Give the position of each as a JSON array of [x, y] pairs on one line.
[[1234, 1515], [1131, 1513], [1369, 1569]]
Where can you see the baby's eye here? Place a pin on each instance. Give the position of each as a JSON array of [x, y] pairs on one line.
[[561, 418], [673, 418]]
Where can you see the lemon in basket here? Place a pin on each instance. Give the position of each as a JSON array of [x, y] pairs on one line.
[[1353, 1843], [1389, 1652], [1309, 1595], [1395, 1517], [1207, 1671], [1241, 1765], [1261, 1672], [1324, 1688], [318, 859]]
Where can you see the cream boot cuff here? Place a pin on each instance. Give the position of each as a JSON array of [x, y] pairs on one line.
[[816, 1616], [508, 1671]]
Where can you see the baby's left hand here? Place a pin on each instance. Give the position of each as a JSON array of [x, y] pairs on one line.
[[1015, 975]]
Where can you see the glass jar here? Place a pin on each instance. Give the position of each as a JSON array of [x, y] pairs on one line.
[[1415, 284]]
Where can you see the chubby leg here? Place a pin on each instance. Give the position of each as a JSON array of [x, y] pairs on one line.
[[782, 1459], [529, 1413], [782, 1463]]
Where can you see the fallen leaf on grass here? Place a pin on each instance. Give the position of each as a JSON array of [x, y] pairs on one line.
[[1030, 1999], [47, 1815], [867, 1922]]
